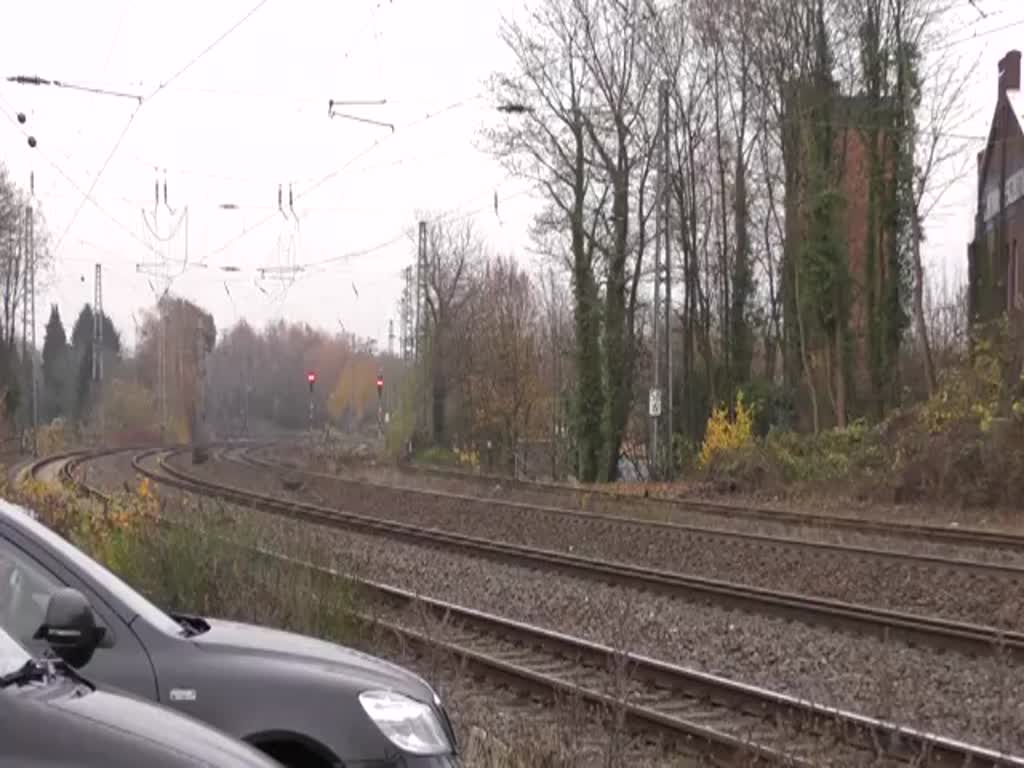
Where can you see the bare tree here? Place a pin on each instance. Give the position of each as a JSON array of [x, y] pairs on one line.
[[547, 142]]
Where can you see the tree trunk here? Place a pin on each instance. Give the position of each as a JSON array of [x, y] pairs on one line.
[[616, 340], [802, 340], [919, 318], [840, 374]]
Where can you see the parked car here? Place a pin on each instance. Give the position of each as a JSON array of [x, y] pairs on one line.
[[303, 701], [51, 716]]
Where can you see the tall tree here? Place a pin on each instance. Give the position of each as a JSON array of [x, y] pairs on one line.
[[82, 349], [547, 141], [56, 369]]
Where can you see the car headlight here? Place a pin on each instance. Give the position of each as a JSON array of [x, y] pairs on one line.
[[408, 724]]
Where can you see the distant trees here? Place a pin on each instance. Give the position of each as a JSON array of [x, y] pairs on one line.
[[495, 341], [259, 378], [174, 339], [14, 216]]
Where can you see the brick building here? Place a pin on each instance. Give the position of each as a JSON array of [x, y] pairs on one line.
[[865, 233], [995, 257]]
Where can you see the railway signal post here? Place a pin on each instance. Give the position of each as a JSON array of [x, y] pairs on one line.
[[311, 379], [380, 404]]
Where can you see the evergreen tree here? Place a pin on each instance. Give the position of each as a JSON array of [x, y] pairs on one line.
[[56, 368], [81, 357]]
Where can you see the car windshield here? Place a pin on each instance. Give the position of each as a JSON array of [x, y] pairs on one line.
[[104, 579], [12, 655]]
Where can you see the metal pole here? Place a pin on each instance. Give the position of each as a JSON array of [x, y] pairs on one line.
[[35, 383], [97, 348], [23, 262], [667, 229], [652, 460]]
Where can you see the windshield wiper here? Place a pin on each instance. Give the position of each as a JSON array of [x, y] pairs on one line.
[[31, 671], [41, 670]]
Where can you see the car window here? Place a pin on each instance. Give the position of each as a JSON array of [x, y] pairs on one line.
[[12, 655], [105, 580], [25, 589]]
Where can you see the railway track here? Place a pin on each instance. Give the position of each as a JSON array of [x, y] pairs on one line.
[[672, 708], [812, 548], [578, 497], [912, 628]]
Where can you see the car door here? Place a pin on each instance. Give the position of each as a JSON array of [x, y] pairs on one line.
[[27, 579]]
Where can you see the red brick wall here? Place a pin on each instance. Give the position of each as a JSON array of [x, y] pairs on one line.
[[855, 187]]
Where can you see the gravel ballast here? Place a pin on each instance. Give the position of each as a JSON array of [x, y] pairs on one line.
[[985, 597], [959, 697], [676, 506]]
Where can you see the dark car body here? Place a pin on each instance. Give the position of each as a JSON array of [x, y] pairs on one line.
[[60, 719], [296, 697]]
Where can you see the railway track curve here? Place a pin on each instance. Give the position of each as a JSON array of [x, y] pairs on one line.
[[718, 719]]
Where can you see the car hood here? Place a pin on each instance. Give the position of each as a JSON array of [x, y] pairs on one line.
[[177, 733], [360, 670]]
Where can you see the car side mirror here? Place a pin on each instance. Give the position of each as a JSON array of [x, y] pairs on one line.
[[70, 628]]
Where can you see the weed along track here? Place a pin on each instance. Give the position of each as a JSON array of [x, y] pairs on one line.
[[663, 708]]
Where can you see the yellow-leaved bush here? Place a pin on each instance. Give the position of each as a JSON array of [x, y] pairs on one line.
[[99, 529], [727, 434]]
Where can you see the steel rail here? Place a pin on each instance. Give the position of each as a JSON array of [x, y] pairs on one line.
[[913, 629], [963, 536], [700, 713], [813, 547]]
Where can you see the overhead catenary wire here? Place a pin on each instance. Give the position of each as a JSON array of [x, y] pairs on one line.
[[220, 38], [336, 172], [976, 36], [67, 177], [142, 100], [86, 196]]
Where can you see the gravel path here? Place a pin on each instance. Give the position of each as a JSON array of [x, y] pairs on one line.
[[986, 598], [975, 700]]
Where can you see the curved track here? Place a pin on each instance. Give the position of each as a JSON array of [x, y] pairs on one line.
[[732, 723]]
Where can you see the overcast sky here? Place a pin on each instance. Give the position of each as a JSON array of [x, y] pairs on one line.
[[251, 114]]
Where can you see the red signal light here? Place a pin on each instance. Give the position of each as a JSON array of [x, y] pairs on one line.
[[310, 377]]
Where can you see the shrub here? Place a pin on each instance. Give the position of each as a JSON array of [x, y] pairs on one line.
[[204, 567], [55, 437], [725, 434]]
